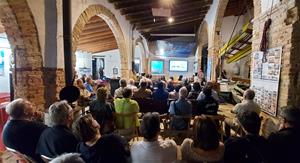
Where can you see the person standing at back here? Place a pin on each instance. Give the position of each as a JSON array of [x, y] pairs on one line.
[[20, 132], [285, 143], [59, 138]]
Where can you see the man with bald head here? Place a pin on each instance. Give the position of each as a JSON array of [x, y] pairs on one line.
[[248, 104], [20, 132], [181, 107]]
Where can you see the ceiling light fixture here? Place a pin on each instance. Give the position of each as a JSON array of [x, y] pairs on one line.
[[170, 19], [154, 20]]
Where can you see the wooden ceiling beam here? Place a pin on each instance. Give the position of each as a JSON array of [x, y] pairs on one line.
[[87, 32], [165, 20], [97, 46], [142, 16], [104, 50], [100, 41], [166, 24], [177, 8], [96, 39], [93, 26], [96, 34]]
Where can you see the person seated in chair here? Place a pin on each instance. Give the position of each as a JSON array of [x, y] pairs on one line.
[[126, 105], [208, 105], [181, 107], [20, 132], [251, 147], [89, 85], [119, 91], [96, 147], [175, 94], [285, 143], [143, 92], [103, 111], [160, 94], [214, 93], [152, 149], [59, 138], [248, 104], [205, 145], [195, 92]]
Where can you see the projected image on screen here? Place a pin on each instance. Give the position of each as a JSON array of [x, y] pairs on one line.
[[157, 67], [180, 66]]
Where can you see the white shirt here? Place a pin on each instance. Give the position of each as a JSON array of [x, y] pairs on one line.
[[249, 105], [154, 152]]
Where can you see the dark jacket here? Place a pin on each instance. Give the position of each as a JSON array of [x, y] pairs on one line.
[[208, 106], [248, 149], [285, 145], [55, 141], [103, 113], [23, 136], [108, 149]]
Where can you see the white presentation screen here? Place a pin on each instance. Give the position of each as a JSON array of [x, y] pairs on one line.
[[179, 66]]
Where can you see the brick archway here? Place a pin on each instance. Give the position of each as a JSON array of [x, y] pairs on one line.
[[17, 19], [112, 22]]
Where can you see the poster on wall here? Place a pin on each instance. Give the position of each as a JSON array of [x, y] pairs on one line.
[[84, 70], [265, 79], [1, 63]]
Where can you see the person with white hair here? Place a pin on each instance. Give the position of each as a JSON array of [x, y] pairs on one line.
[[20, 133], [119, 91], [181, 107], [131, 85], [68, 158], [59, 138]]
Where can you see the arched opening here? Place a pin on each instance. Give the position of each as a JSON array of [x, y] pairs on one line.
[[202, 57], [236, 23], [99, 44], [139, 56], [26, 61]]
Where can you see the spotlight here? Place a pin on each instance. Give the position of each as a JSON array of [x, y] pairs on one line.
[[170, 20], [154, 20]]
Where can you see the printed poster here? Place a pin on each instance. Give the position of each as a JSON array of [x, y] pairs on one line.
[[265, 79]]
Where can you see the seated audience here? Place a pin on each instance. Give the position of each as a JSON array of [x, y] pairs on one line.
[[195, 92], [143, 92], [103, 111], [83, 78], [131, 85], [126, 105], [285, 143], [151, 149], [247, 104], [205, 146], [119, 91], [181, 107], [150, 85], [170, 85], [95, 147], [160, 94], [213, 93], [208, 105], [251, 148], [89, 85], [20, 133], [59, 138], [68, 158], [175, 94]]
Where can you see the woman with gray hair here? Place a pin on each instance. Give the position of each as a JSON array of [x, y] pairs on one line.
[[59, 138], [68, 158]]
